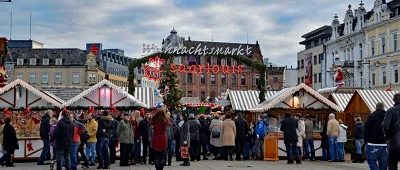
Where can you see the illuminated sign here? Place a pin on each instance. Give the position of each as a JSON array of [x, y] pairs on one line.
[[206, 50], [152, 70]]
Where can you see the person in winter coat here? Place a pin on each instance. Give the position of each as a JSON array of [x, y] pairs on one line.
[[249, 141], [261, 130], [79, 129], [44, 135], [194, 130], [325, 143], [53, 126], [216, 136], [171, 141], [359, 140], [136, 150], [91, 128], [204, 136], [63, 136], [333, 132], [391, 127], [228, 136], [144, 132], [301, 133], [113, 140], [126, 139], [341, 140], [159, 124], [10, 142], [103, 138], [241, 130], [288, 127], [309, 140], [376, 149]]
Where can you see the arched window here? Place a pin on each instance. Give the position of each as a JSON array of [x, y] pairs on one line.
[[212, 79], [243, 80], [256, 80], [203, 79], [234, 80], [361, 51], [223, 80]]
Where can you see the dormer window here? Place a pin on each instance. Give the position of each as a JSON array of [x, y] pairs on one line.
[[20, 62], [32, 61], [59, 61], [45, 62]]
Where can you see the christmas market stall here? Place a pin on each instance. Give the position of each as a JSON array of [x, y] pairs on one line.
[[26, 105], [300, 99]]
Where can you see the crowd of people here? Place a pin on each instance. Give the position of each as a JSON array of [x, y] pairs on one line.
[[158, 136]]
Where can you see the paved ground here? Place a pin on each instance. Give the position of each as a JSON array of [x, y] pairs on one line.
[[225, 165]]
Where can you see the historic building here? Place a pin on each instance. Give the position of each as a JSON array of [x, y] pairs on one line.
[[276, 78], [61, 70], [361, 49], [311, 60], [214, 75]]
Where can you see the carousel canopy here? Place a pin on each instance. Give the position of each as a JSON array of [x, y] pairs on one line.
[[300, 96], [104, 94], [244, 100], [371, 97], [19, 94]]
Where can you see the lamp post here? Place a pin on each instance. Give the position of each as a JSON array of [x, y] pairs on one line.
[[369, 72]]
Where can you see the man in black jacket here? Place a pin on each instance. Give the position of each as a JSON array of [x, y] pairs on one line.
[[194, 131], [241, 132], [204, 136], [391, 127], [288, 127], [63, 137], [144, 132], [44, 135], [103, 139], [376, 149], [10, 143]]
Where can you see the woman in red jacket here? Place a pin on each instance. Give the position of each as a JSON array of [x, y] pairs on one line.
[[159, 125]]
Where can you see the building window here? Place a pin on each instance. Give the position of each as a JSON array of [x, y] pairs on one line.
[[20, 76], [302, 63], [45, 78], [32, 61], [189, 94], [302, 79], [228, 61], [372, 47], [219, 61], [189, 78], [361, 51], [320, 57], [373, 79], [32, 78], [383, 40], [243, 80], [223, 80], [234, 80], [256, 80], [92, 78], [361, 79], [396, 74], [298, 64], [212, 78], [203, 79], [275, 80], [320, 77], [315, 78], [75, 78], [383, 75], [394, 41], [203, 96], [57, 78], [45, 62], [208, 60], [59, 61], [298, 80], [315, 60], [20, 62]]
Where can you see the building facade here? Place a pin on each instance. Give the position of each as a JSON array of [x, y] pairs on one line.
[[290, 77], [312, 58], [276, 78], [213, 82]]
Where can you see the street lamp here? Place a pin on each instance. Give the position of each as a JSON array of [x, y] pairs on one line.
[[369, 73]]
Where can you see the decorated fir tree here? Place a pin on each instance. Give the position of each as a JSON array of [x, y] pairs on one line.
[[169, 87]]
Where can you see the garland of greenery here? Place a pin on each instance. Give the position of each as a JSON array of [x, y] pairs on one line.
[[253, 64]]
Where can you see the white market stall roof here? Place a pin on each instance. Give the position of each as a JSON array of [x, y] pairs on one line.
[[371, 97], [19, 94], [342, 99], [244, 100], [310, 99], [104, 94], [146, 96]]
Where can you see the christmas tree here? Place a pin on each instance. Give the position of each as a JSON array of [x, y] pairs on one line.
[[169, 87]]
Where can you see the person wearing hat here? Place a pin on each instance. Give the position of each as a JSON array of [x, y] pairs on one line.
[[359, 139], [391, 126], [376, 149]]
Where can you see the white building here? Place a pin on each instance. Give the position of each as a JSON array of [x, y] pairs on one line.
[[290, 77]]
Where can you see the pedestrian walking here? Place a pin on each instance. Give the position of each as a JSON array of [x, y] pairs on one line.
[[44, 135], [359, 140], [216, 136], [341, 140], [171, 141], [91, 127], [126, 139], [261, 131], [391, 126], [10, 143], [63, 136], [309, 140], [53, 126], [113, 140], [194, 133], [159, 124], [325, 143], [241, 130], [228, 136], [103, 138], [333, 132], [301, 134], [288, 127], [204, 136], [78, 130], [135, 120], [144, 132], [374, 136]]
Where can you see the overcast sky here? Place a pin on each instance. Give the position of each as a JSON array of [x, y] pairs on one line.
[[127, 24]]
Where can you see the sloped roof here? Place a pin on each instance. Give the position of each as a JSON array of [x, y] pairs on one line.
[[371, 97], [342, 99], [288, 92], [48, 98], [101, 84], [244, 100]]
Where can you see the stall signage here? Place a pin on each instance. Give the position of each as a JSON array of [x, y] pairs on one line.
[[203, 50]]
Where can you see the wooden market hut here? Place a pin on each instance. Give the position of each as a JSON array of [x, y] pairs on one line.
[[104, 94], [363, 103]]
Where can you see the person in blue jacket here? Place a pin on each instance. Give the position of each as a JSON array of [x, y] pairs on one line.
[[261, 131]]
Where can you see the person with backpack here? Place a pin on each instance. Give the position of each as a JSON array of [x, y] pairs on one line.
[[261, 131]]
